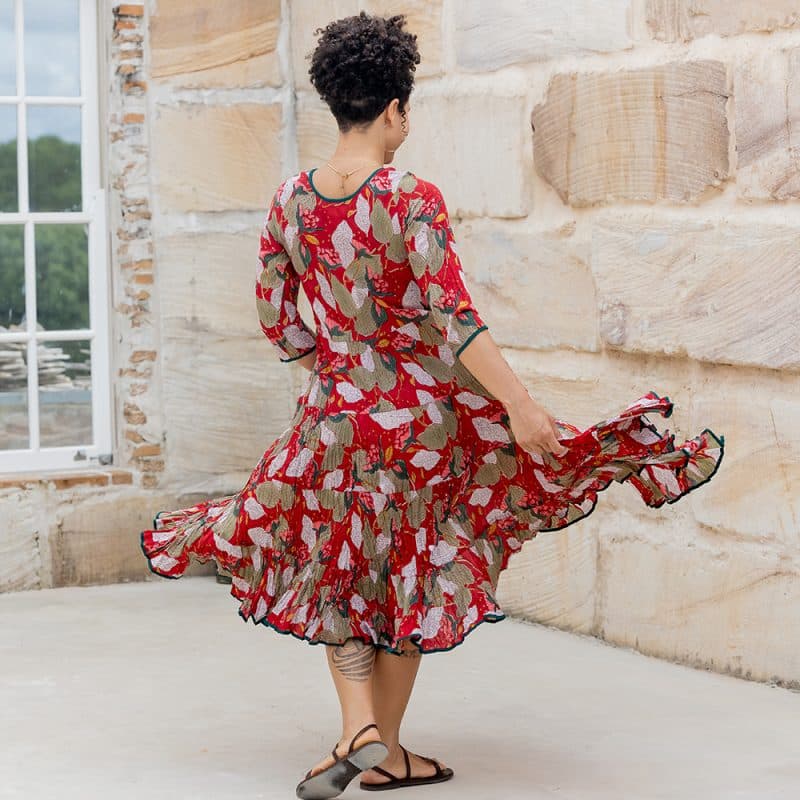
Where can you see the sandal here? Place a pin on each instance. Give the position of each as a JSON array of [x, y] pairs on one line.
[[333, 779], [395, 782]]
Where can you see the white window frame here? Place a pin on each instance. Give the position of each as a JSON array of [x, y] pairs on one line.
[[75, 456]]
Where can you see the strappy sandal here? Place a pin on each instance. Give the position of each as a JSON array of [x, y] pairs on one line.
[[333, 779], [395, 782]]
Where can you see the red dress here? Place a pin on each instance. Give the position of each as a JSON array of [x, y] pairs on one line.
[[391, 503]]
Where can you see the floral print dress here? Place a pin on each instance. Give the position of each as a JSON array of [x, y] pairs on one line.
[[391, 503]]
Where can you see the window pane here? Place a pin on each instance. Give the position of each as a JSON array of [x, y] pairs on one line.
[[65, 393], [8, 53], [62, 277], [52, 33], [13, 396], [8, 158], [12, 276], [54, 158]]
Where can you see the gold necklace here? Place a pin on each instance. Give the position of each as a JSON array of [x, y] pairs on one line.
[[344, 174]]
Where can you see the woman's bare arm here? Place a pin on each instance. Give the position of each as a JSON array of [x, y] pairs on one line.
[[484, 359], [533, 426]]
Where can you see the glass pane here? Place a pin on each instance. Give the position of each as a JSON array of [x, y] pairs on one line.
[[12, 277], [8, 158], [52, 34], [62, 277], [65, 393], [8, 52], [54, 158], [13, 396]]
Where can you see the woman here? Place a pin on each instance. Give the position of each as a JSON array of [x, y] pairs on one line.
[[416, 462]]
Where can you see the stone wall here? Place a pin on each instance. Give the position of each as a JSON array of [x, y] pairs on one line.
[[622, 179]]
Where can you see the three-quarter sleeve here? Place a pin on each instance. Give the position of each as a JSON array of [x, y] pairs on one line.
[[438, 275], [277, 287]]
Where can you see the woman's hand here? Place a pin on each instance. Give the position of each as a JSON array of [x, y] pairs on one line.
[[533, 426]]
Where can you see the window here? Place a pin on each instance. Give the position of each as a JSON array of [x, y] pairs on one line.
[[54, 375]]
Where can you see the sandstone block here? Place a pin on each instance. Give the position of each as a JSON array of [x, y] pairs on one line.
[[756, 494], [731, 608], [317, 133], [97, 541], [210, 45], [423, 19], [551, 580], [684, 20], [225, 399], [24, 523], [646, 134], [493, 185], [767, 123], [449, 129], [216, 158], [206, 283], [519, 280], [715, 292], [493, 35]]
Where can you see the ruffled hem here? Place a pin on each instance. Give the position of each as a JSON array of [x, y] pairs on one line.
[[299, 632], [468, 542]]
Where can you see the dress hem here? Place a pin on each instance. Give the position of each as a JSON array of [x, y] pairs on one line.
[[487, 617]]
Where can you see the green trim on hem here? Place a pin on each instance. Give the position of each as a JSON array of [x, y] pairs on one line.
[[471, 337], [294, 358]]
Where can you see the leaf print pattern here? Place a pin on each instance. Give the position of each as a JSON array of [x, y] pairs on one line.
[[393, 500]]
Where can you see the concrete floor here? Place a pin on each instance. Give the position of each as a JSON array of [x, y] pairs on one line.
[[160, 690]]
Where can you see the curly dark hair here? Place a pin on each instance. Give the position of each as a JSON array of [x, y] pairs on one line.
[[361, 63]]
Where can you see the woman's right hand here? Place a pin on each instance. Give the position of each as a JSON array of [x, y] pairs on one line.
[[533, 426]]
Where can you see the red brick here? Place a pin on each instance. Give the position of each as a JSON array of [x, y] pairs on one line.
[[129, 10], [146, 450], [121, 476]]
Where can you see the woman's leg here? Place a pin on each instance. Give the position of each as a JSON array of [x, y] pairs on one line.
[[351, 665], [393, 679]]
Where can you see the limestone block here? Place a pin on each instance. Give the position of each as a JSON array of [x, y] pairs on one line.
[[684, 20], [225, 399], [713, 291], [23, 521], [97, 541], [766, 88], [647, 134], [206, 283], [533, 288], [551, 580], [731, 607], [210, 45], [215, 158], [423, 18], [493, 35]]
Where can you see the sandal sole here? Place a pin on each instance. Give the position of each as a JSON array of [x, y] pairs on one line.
[[377, 787], [334, 779]]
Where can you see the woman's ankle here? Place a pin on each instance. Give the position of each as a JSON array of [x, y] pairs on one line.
[[356, 729]]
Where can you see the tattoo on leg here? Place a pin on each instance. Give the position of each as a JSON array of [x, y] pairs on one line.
[[354, 659]]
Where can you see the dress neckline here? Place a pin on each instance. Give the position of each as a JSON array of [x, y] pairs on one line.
[[346, 197]]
